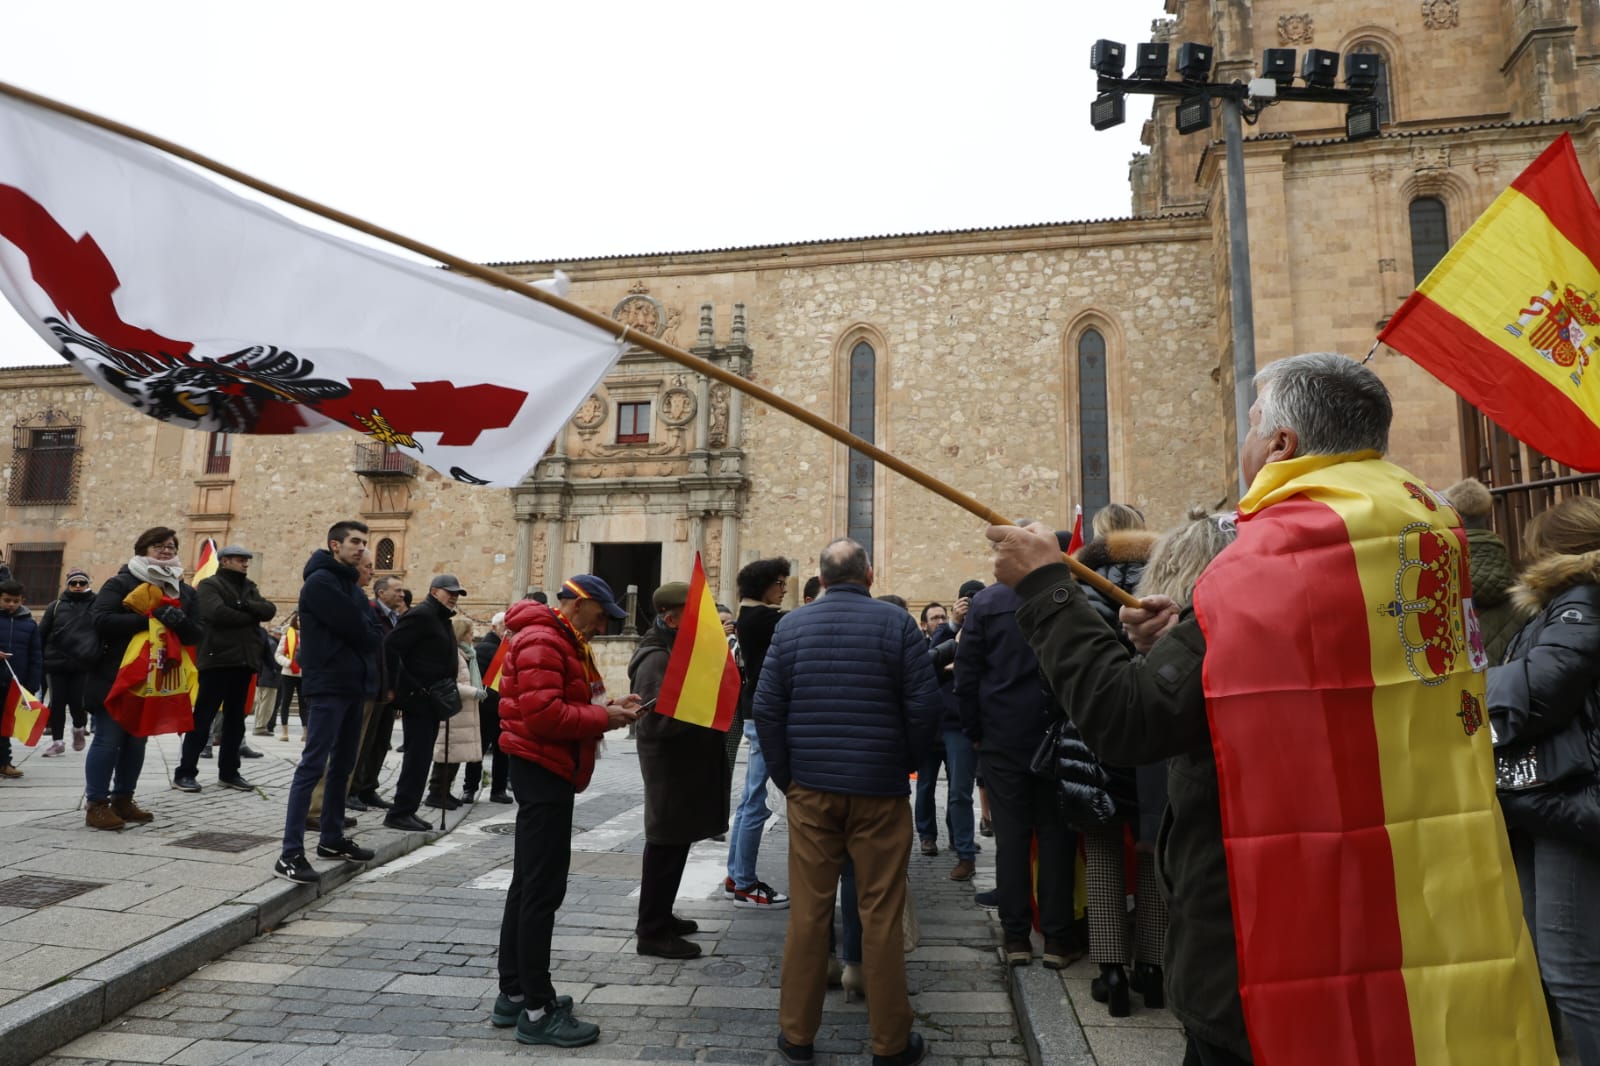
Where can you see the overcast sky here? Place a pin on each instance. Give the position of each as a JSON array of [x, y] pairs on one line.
[[505, 131]]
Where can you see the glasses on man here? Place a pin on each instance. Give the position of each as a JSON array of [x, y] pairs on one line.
[[77, 584]]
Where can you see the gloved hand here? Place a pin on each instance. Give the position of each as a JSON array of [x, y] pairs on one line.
[[169, 616]]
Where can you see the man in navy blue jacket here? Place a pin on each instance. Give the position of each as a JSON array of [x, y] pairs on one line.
[[19, 639], [846, 708], [339, 643]]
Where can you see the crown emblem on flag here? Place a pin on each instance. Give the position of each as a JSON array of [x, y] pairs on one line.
[[1559, 325], [1471, 713], [1427, 603]]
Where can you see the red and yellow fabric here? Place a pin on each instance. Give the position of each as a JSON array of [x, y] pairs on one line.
[[1374, 898], [207, 563], [497, 667], [154, 690], [24, 717], [291, 650], [702, 682], [1510, 318]]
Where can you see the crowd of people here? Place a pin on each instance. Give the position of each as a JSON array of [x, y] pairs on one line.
[[1070, 728]]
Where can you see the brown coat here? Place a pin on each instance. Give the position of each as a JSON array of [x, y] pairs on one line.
[[685, 768]]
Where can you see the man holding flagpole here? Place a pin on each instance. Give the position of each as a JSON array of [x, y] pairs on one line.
[[1333, 850]]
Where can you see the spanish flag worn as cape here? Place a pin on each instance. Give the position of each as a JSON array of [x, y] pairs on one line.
[[702, 682], [24, 717], [1375, 903], [154, 690]]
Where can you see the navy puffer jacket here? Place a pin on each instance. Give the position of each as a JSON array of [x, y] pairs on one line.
[[847, 700]]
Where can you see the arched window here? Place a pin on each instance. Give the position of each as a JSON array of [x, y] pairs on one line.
[[1094, 431], [1381, 91], [863, 407], [1430, 236], [383, 557]]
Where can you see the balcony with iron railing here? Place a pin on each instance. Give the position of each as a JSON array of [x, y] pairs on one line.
[[383, 460]]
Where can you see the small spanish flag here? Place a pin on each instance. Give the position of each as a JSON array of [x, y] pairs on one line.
[[1510, 318], [702, 682], [497, 667], [24, 717], [207, 564], [1077, 533]]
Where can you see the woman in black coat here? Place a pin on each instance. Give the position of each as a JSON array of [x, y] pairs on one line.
[[1544, 705]]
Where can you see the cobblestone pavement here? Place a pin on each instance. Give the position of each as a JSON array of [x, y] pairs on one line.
[[398, 965]]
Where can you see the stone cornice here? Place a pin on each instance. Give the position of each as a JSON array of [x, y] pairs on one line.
[[41, 377]]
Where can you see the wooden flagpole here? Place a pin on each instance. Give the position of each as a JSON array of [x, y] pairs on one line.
[[594, 318]]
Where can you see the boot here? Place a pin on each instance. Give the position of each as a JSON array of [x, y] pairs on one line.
[[1111, 988], [101, 816], [130, 811], [1150, 982]]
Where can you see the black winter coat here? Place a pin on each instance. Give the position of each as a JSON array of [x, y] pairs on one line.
[[847, 702], [423, 645], [485, 649], [117, 624], [1544, 704], [1005, 705], [338, 636], [753, 626], [67, 630], [19, 637], [685, 767], [233, 609]]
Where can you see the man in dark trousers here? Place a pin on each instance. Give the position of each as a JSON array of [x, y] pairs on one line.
[[489, 711], [338, 659], [386, 606], [420, 651], [232, 608]]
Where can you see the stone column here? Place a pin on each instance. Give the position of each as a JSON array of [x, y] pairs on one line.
[[735, 416], [554, 535], [521, 562], [702, 414], [727, 583]]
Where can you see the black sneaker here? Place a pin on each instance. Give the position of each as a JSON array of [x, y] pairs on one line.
[[407, 823], [346, 849], [795, 1053], [353, 803], [915, 1051], [499, 797], [247, 752], [506, 1012], [989, 900], [295, 868], [236, 782], [557, 1027], [185, 783]]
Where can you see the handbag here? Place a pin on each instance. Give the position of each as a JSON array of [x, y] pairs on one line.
[[440, 698]]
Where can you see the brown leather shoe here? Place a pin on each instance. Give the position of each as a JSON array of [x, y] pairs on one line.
[[130, 811], [101, 816], [930, 846], [963, 870], [9, 771], [1058, 954], [1018, 952]]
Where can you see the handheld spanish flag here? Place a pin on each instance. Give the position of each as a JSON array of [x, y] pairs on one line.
[[24, 717], [1077, 532], [207, 564], [1510, 318], [497, 667], [702, 682], [156, 684], [1375, 904]]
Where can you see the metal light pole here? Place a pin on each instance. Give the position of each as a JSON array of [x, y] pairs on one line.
[[1244, 320]]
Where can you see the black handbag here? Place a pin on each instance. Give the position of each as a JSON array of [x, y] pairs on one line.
[[1080, 780], [440, 698]]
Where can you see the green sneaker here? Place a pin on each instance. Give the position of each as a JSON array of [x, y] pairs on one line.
[[557, 1027], [506, 1012]]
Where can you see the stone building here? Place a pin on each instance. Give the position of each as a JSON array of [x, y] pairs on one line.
[[1031, 367]]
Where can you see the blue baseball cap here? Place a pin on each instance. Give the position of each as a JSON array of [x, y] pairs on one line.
[[589, 587]]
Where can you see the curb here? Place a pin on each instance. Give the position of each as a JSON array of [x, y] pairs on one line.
[[34, 1025], [1046, 1018]]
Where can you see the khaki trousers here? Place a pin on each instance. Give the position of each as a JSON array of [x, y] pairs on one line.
[[876, 833], [316, 793], [266, 700]]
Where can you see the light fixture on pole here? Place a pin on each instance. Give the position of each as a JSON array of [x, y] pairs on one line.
[[1107, 110], [1150, 62], [1361, 120], [1194, 61], [1278, 64], [1194, 114], [1361, 70], [1319, 68], [1106, 58]]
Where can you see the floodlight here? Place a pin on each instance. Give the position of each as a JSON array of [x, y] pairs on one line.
[[1107, 110], [1361, 70], [1361, 120], [1278, 64], [1194, 61], [1107, 57], [1194, 114], [1319, 68], [1150, 62]]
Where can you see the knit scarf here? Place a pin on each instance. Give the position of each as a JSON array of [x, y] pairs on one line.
[[165, 576], [597, 685]]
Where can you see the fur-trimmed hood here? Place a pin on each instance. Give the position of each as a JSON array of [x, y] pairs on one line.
[[1548, 578], [1123, 546]]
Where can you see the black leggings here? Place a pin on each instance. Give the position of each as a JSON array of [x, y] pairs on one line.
[[66, 693]]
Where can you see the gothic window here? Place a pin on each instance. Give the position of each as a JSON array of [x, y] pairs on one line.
[[1094, 431], [44, 465], [383, 558], [219, 453], [863, 413], [633, 423], [1430, 236], [1381, 92]]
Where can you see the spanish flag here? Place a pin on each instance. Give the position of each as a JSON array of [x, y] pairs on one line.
[[497, 667], [156, 683], [702, 682], [1375, 904], [207, 564], [1510, 318], [24, 717]]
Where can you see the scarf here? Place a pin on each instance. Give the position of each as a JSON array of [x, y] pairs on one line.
[[165, 576], [470, 654], [597, 685]]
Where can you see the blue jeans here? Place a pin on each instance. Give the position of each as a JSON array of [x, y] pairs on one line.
[[925, 809], [333, 739], [960, 768], [113, 762], [744, 835], [1560, 881]]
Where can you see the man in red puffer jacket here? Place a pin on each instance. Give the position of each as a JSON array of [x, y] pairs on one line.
[[553, 711]]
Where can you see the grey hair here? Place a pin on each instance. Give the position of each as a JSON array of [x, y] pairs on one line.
[[499, 616], [1182, 554], [844, 562], [1334, 404]]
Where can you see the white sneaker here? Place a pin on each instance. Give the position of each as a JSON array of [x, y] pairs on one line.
[[58, 748]]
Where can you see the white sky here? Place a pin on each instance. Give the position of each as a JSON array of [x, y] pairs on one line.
[[505, 131]]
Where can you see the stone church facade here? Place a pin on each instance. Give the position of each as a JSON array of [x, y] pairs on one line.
[[1032, 366]]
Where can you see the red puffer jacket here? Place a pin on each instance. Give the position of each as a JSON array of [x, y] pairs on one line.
[[547, 713]]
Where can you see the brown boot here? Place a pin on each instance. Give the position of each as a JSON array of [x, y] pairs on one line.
[[101, 816], [130, 811]]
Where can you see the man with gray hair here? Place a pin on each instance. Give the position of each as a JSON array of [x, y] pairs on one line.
[[846, 708], [1321, 705]]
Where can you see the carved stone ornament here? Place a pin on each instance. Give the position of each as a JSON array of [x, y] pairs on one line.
[[1387, 266], [717, 435], [1295, 29], [1441, 14], [591, 413], [678, 407], [642, 314], [1430, 157]]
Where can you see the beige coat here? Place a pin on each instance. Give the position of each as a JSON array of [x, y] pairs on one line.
[[465, 742]]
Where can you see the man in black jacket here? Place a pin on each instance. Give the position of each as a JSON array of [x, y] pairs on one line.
[[387, 602], [232, 608], [420, 651], [489, 713], [338, 661]]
